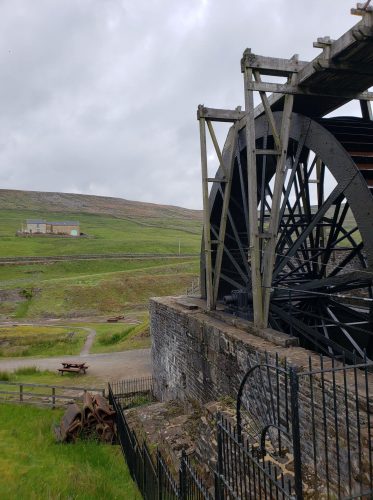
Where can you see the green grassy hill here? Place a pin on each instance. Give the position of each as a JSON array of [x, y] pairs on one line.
[[113, 225], [100, 287]]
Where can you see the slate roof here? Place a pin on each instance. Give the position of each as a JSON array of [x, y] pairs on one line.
[[64, 223], [36, 221]]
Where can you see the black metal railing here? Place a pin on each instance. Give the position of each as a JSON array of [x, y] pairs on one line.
[[308, 431], [152, 475], [298, 434], [244, 472], [133, 392], [337, 419]]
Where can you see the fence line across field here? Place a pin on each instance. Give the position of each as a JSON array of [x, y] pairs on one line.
[[37, 398]]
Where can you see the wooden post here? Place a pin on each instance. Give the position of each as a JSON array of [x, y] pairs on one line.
[[366, 110], [53, 397], [224, 215], [216, 146], [270, 248], [206, 215], [254, 249], [21, 393]]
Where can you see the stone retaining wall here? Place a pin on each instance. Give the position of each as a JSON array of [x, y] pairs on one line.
[[203, 357]]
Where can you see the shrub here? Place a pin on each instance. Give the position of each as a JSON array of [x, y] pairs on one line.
[[5, 376], [27, 370]]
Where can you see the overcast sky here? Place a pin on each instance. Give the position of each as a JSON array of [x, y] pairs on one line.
[[100, 96]]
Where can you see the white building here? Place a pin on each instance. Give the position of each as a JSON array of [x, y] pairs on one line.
[[36, 226]]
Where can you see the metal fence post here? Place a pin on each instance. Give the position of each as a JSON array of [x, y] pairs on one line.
[[143, 478], [294, 401], [159, 477], [219, 492], [182, 477]]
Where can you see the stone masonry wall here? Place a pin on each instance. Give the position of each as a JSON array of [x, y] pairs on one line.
[[203, 357]]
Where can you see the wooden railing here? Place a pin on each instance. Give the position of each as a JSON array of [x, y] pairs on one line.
[[46, 395]]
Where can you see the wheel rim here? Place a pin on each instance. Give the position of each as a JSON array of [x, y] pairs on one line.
[[325, 232]]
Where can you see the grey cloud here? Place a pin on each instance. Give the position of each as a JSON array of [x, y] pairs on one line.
[[100, 96]]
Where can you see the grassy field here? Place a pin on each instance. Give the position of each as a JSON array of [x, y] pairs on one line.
[[96, 293], [20, 340], [106, 235], [33, 466], [91, 288], [116, 338], [84, 293], [29, 275]]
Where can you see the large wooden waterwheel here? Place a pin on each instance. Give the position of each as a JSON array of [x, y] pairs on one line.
[[306, 183]]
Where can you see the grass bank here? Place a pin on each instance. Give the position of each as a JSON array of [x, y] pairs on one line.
[[41, 341], [120, 337], [95, 289], [33, 466]]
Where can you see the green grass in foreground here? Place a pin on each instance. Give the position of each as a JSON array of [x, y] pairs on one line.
[[24, 340], [33, 466]]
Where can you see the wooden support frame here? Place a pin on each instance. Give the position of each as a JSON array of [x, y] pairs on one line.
[[220, 115], [366, 110], [205, 117], [270, 248], [286, 88], [206, 213], [254, 245], [262, 266], [224, 215], [299, 77]]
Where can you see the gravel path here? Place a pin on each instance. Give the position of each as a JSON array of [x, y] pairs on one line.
[[106, 367], [88, 341]]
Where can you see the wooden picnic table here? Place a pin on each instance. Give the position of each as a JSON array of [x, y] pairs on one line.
[[73, 367]]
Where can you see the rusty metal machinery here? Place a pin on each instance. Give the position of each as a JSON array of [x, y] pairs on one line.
[[288, 221]]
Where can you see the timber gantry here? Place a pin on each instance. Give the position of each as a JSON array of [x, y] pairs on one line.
[[288, 218]]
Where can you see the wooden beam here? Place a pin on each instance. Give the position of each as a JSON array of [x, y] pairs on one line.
[[323, 42], [216, 146], [271, 66], [280, 175], [366, 110], [296, 89], [206, 214], [362, 9], [326, 64], [268, 111], [254, 248], [220, 115], [273, 152], [224, 216]]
